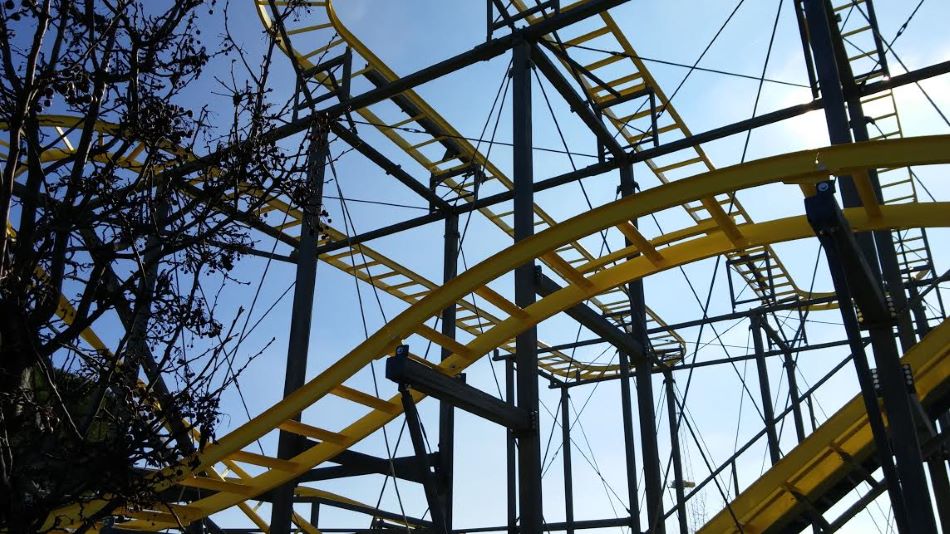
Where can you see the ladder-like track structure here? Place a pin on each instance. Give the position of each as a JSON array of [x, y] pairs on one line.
[[719, 226], [835, 458], [690, 244], [445, 154], [866, 52]]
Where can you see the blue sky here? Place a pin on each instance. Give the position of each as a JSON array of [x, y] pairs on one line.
[[411, 35]]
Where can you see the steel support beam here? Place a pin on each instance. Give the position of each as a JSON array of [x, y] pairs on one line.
[[652, 470], [429, 484], [526, 343], [883, 240], [678, 482], [595, 322], [391, 168], [288, 444], [853, 278], [403, 371], [446, 411], [627, 187], [652, 477], [578, 103], [315, 514], [941, 484], [790, 373], [353, 463], [566, 457], [639, 156], [937, 466], [510, 450], [853, 260], [352, 506], [718, 361], [584, 524], [765, 390], [630, 455], [482, 52]]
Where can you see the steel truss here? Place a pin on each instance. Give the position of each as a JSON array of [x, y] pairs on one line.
[[866, 243]]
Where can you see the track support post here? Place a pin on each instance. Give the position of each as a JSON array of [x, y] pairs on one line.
[[429, 484], [446, 411], [854, 280], [679, 485], [652, 477], [566, 456], [768, 411], [302, 313], [790, 374], [510, 448], [526, 343], [627, 187]]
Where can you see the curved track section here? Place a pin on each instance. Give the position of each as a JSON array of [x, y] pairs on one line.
[[839, 446], [449, 158], [624, 74], [761, 267], [689, 244], [277, 218]]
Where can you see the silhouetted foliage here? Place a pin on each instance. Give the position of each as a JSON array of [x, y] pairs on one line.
[[109, 223]]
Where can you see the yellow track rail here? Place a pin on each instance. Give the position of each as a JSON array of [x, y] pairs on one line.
[[830, 453], [897, 183], [361, 261], [443, 151], [626, 73], [690, 244]]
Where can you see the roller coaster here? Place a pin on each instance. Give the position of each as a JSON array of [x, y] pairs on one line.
[[858, 198]]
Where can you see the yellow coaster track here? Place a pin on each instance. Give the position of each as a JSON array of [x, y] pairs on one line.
[[835, 450], [360, 260], [331, 34], [685, 245], [761, 268]]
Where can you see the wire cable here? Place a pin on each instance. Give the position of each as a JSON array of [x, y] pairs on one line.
[[669, 101], [685, 66]]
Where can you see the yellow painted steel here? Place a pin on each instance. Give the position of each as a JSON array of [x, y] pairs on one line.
[[725, 210], [822, 458], [665, 340], [897, 183], [378, 270], [795, 167]]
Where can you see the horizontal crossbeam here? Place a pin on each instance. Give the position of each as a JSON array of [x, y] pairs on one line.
[[595, 322], [402, 370]]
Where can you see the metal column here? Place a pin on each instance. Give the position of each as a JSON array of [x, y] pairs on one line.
[[652, 477], [302, 314], [853, 280], [627, 188], [910, 488], [768, 412], [511, 463], [526, 343], [566, 456], [429, 483], [446, 412], [678, 482], [938, 474], [883, 239], [789, 365]]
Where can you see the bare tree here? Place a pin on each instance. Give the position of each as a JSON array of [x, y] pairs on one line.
[[100, 229]]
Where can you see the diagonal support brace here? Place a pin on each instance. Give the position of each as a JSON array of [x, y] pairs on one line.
[[418, 445]]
